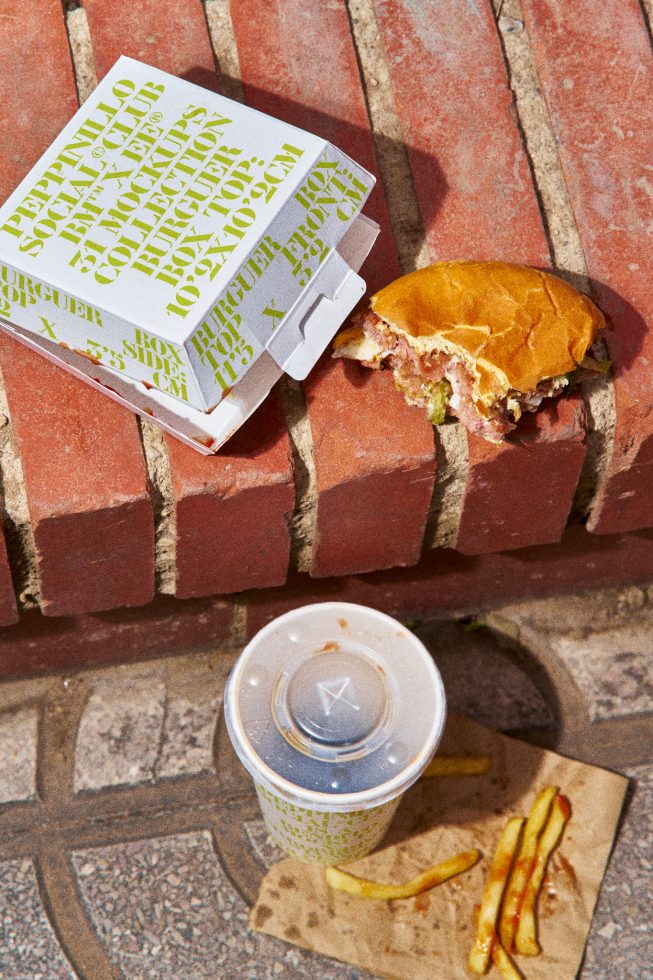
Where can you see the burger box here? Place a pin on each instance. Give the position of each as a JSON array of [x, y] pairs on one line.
[[180, 251]]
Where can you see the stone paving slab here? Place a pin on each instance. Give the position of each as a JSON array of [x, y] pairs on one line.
[[488, 682], [119, 734], [597, 653], [619, 923], [28, 944], [165, 908], [133, 843], [140, 726], [606, 642], [18, 730]]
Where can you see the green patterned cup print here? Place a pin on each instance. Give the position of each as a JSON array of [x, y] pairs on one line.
[[335, 710], [324, 837]]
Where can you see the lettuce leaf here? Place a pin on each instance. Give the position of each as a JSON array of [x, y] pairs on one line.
[[572, 382], [437, 394]]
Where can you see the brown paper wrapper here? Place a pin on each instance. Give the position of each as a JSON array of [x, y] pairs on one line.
[[431, 935]]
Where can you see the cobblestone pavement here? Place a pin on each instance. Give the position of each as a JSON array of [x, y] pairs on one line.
[[131, 843]]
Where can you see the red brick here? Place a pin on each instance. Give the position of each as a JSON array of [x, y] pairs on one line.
[[82, 456], [446, 582], [298, 62], [233, 509], [86, 488], [37, 645], [530, 501], [284, 76], [477, 201], [395, 485], [600, 97], [230, 510], [32, 109], [443, 583], [32, 33], [168, 34], [471, 173]]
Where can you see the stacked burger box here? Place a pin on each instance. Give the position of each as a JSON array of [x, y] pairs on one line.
[[180, 252]]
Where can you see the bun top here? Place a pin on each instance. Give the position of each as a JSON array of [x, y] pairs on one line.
[[512, 325]]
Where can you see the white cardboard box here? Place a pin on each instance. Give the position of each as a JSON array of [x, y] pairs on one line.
[[181, 251]]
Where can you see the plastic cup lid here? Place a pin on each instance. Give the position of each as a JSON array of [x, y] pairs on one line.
[[336, 705]]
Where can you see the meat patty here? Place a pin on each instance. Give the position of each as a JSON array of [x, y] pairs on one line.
[[416, 373]]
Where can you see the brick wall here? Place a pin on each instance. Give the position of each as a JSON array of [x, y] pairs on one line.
[[493, 135], [443, 584]]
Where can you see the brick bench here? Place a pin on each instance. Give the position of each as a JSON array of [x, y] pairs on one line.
[[514, 139]]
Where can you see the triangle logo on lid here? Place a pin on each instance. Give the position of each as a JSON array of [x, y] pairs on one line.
[[333, 692]]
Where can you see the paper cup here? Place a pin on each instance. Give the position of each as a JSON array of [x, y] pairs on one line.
[[324, 836], [335, 710]]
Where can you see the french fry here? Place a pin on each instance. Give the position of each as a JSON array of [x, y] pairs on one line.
[[481, 951], [364, 888], [526, 935], [501, 959], [458, 765], [524, 865]]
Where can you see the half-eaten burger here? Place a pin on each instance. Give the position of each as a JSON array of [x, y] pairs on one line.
[[481, 341]]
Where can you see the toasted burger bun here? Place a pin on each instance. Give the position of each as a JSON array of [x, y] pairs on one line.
[[484, 341], [512, 325]]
